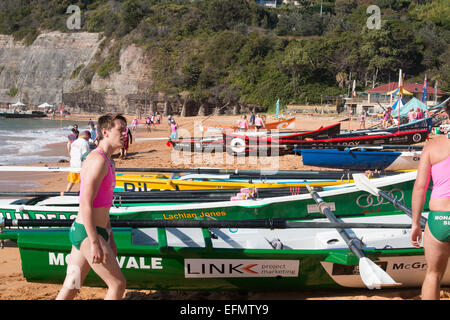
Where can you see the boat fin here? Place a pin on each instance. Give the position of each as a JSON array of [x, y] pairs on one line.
[[373, 276]]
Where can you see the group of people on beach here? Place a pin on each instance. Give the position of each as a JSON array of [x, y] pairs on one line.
[[258, 120], [417, 115], [93, 245], [150, 120]]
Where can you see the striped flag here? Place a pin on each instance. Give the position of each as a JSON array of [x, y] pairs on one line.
[[424, 92]]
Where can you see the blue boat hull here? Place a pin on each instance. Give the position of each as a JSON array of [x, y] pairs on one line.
[[349, 159]]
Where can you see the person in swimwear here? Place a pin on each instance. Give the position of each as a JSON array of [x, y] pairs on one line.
[[126, 143], [243, 124], [91, 236], [434, 162], [259, 122]]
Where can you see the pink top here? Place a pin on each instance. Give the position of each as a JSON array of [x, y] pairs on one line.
[[441, 179], [105, 192], [258, 121], [243, 124]]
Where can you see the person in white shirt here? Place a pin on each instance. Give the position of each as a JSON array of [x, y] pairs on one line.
[[77, 149]]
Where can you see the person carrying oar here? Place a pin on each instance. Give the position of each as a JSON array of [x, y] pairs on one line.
[[93, 244], [434, 162]]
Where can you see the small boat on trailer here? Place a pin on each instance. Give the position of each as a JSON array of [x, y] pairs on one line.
[[239, 258]]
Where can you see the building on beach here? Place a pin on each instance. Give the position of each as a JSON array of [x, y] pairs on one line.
[[374, 100]]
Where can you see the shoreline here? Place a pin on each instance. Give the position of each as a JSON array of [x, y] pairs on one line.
[[156, 154]]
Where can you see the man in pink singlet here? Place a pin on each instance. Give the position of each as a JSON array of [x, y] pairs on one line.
[[93, 245]]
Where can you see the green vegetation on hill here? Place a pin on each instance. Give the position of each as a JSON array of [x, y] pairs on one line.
[[236, 50]]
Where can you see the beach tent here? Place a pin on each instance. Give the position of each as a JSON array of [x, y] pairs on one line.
[[18, 104], [394, 106], [45, 105], [414, 103]]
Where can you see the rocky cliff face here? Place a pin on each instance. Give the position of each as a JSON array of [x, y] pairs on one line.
[[53, 69], [54, 64], [43, 70]]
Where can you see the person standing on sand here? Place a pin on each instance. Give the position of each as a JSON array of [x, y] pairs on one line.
[[173, 129], [75, 126], [127, 141], [259, 122], [362, 120], [148, 123], [243, 124], [70, 139], [252, 118], [77, 149], [412, 116], [93, 244], [434, 162], [134, 124]]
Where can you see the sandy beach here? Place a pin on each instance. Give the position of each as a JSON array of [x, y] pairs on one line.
[[155, 153]]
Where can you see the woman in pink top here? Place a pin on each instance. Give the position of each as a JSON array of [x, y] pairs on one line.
[[412, 115], [419, 114], [243, 124], [93, 245], [434, 163], [259, 122]]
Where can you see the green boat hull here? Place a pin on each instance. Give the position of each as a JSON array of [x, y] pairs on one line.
[[163, 267], [343, 202]]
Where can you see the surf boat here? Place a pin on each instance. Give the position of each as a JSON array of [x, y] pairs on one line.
[[217, 144], [344, 200], [361, 158], [246, 145], [131, 183], [242, 255]]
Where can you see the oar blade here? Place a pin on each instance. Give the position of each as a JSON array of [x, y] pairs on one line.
[[363, 183], [373, 276]]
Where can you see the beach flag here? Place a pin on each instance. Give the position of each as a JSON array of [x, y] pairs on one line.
[[277, 107], [400, 90], [354, 88], [424, 92], [435, 91]]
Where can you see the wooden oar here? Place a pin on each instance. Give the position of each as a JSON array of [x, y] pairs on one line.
[[372, 275], [244, 224], [363, 183]]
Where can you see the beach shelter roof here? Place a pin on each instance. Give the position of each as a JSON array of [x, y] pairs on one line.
[[395, 92], [18, 104], [45, 105]]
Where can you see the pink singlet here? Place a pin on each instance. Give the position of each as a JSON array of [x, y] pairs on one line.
[[105, 192], [441, 179]]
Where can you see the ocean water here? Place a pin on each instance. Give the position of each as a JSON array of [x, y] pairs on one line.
[[25, 141]]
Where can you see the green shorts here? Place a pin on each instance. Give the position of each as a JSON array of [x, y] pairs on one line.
[[439, 225], [77, 234]]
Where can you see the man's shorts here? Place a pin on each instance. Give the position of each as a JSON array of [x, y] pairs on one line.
[[73, 177]]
